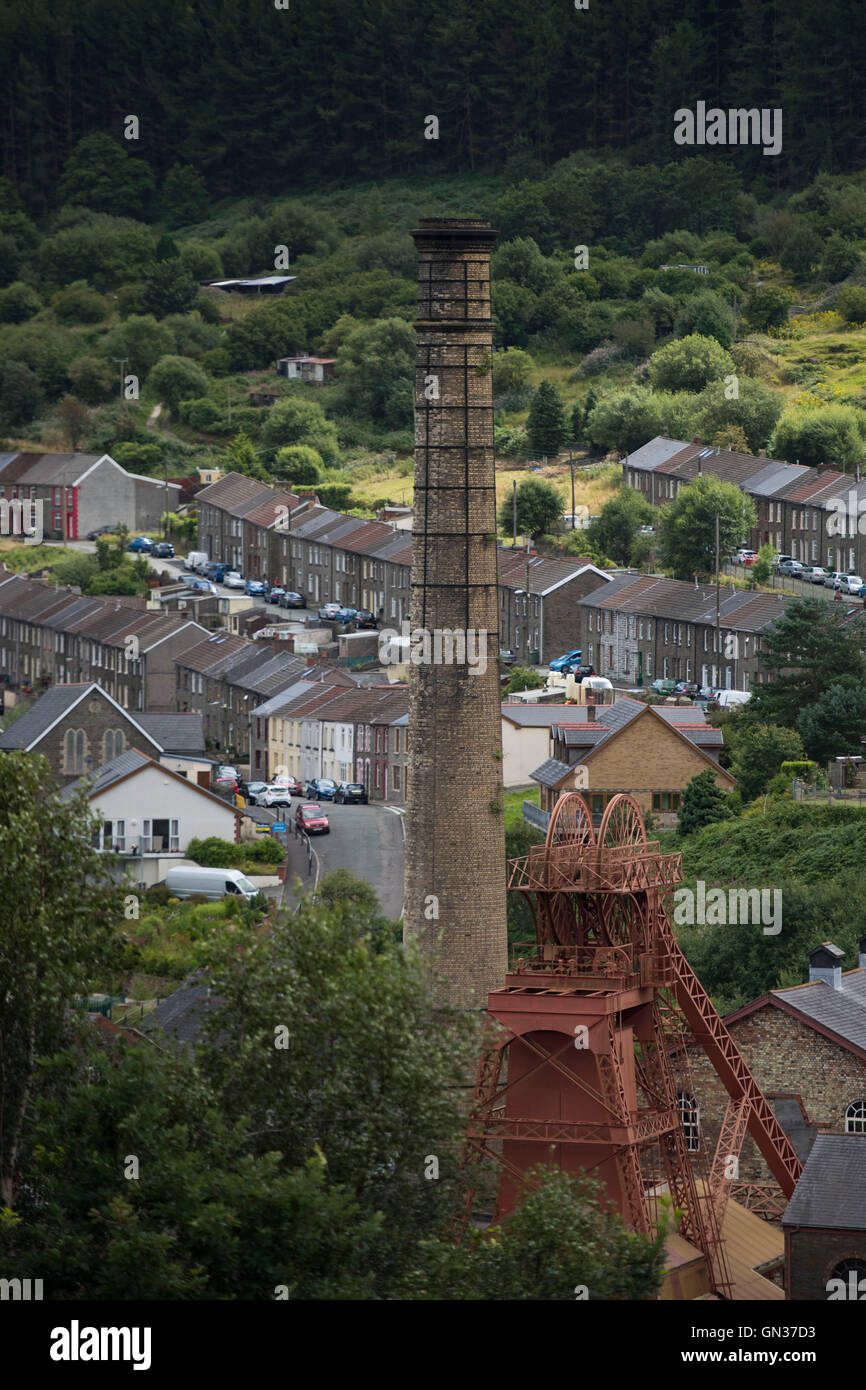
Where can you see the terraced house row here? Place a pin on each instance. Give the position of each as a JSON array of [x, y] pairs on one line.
[[329, 557], [812, 514], [51, 635], [640, 628]]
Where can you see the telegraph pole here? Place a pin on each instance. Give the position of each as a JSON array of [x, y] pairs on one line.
[[571, 466], [718, 607], [514, 512]]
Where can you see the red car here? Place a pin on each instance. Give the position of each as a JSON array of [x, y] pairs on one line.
[[312, 819]]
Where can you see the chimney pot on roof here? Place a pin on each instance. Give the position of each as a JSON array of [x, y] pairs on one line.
[[697, 439], [590, 713], [825, 963]]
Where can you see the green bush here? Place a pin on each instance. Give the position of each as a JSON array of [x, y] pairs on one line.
[[214, 853]]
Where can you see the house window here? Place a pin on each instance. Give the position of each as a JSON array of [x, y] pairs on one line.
[[666, 801], [855, 1118], [690, 1116], [395, 777]]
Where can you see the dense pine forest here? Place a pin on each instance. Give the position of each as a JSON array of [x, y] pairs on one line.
[[259, 98]]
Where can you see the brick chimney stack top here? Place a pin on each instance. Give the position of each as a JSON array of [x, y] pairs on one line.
[[825, 964]]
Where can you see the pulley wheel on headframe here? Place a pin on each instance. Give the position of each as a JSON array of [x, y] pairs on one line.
[[622, 825], [570, 823]]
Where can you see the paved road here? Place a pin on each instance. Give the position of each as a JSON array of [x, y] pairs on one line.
[[366, 840]]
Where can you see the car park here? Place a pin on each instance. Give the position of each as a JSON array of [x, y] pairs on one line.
[[559, 663], [322, 788], [255, 588], [349, 792], [232, 580], [164, 550], [312, 819], [141, 544], [203, 586], [290, 599]]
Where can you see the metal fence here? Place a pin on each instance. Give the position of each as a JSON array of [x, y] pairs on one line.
[[533, 815]]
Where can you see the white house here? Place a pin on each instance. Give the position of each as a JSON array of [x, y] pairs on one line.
[[526, 735], [150, 814]]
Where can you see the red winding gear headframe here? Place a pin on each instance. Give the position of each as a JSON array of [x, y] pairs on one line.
[[586, 1040]]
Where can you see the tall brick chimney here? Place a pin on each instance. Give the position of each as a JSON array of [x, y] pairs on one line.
[[455, 835]]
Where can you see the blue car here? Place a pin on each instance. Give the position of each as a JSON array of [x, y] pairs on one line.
[[140, 543], [202, 586], [559, 663], [255, 587], [276, 593]]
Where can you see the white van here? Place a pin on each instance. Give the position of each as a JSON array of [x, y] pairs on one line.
[[195, 558], [211, 883], [727, 698]]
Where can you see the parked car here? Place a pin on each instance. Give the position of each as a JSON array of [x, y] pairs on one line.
[[203, 586], [275, 794], [216, 571], [850, 584], [322, 788], [663, 686], [312, 819], [211, 883], [686, 688], [746, 557], [579, 672], [254, 588], [330, 611], [350, 792], [232, 580], [813, 574], [289, 599], [790, 567], [292, 784], [252, 792], [703, 694], [559, 663], [833, 578], [275, 594], [364, 618], [194, 558], [110, 529], [141, 544], [227, 785], [164, 550], [227, 770], [506, 656]]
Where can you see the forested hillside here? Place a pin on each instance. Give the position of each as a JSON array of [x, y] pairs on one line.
[[258, 98]]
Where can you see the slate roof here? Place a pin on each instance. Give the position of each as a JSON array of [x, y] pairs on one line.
[[109, 773], [175, 733], [40, 716], [184, 1013], [551, 773], [831, 1193], [841, 1011]]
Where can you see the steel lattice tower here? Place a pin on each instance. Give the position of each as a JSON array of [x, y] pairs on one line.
[[455, 850]]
